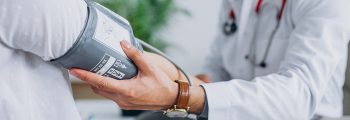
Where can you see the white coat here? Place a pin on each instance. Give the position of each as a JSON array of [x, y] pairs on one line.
[[305, 65], [31, 33]]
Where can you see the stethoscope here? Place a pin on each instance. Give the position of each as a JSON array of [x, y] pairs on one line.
[[230, 27]]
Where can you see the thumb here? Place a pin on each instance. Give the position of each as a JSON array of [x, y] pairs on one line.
[[137, 57]]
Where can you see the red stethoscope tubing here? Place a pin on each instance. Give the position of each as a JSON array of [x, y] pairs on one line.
[[232, 17], [258, 9]]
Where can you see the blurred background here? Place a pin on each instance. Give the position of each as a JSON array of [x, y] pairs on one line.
[[175, 27]]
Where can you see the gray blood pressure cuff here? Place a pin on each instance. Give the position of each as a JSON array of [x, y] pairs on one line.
[[98, 47]]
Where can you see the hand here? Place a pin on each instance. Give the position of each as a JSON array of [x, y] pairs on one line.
[[166, 66], [151, 89], [173, 73]]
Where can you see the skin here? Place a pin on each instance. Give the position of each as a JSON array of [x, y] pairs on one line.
[[152, 89], [203, 77], [173, 72]]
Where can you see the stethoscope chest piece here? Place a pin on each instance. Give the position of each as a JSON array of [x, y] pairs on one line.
[[230, 27]]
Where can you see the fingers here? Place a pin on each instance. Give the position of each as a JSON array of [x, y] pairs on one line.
[[98, 81], [205, 78], [137, 57]]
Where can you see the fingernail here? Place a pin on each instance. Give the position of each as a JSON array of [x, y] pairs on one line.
[[74, 72], [125, 44]]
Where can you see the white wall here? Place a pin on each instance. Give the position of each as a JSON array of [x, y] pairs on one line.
[[190, 36]]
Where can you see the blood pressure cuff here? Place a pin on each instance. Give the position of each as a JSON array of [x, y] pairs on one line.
[[98, 47]]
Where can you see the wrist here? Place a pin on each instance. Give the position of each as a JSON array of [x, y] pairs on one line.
[[172, 96], [180, 108], [190, 99], [197, 99]]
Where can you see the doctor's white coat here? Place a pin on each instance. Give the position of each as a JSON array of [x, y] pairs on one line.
[[305, 64]]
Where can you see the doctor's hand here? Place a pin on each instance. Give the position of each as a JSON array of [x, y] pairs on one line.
[[151, 89]]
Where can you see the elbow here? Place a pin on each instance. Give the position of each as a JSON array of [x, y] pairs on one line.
[[307, 94]]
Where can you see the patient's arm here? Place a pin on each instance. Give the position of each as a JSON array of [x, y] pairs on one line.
[[170, 69]]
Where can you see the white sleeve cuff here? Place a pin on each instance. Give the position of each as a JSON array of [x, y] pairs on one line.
[[217, 102]]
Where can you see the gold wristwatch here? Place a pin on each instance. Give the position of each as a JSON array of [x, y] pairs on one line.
[[181, 108]]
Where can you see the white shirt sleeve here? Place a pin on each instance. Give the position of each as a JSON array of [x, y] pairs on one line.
[[214, 63], [317, 46], [47, 28]]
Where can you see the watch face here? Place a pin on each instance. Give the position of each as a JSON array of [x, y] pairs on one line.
[[177, 114]]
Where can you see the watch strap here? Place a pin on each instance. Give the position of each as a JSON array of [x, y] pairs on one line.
[[183, 95]]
